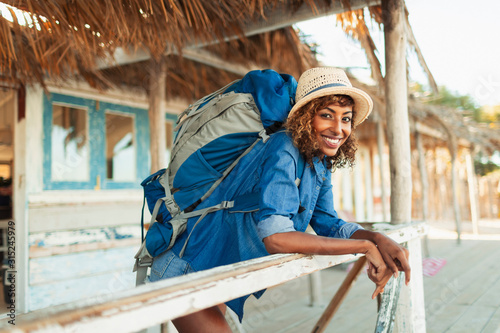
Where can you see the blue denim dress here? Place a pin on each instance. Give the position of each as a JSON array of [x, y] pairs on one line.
[[267, 201]]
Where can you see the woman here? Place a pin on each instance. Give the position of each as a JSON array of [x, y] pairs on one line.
[[273, 211]]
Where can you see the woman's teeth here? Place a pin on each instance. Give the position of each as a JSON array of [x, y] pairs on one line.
[[331, 141]]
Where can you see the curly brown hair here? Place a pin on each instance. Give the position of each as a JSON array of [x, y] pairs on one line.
[[299, 124]]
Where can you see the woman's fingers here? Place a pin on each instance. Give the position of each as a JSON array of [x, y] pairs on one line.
[[378, 290]]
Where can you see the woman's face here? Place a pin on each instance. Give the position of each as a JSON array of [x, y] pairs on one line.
[[333, 126]]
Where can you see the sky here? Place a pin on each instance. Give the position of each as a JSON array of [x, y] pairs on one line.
[[459, 40]]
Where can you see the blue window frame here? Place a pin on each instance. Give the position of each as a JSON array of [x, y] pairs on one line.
[[90, 129]]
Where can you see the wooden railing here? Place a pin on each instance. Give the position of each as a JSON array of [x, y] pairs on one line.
[[152, 304]]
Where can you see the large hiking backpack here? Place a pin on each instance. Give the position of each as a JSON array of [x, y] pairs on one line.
[[212, 136]]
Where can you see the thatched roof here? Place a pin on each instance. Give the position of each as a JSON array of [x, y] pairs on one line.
[[76, 37], [68, 37], [280, 50]]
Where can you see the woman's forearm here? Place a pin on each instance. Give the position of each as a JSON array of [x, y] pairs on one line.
[[300, 242]]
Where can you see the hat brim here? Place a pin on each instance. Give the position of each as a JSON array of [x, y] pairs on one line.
[[363, 104]]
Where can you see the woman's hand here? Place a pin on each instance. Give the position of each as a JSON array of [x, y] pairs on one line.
[[377, 271], [395, 255], [380, 279]]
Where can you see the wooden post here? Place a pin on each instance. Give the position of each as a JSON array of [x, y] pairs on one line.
[[368, 183], [423, 175], [26, 139], [315, 289], [398, 127], [425, 183], [380, 148], [157, 91], [454, 190], [410, 314], [359, 203], [471, 179], [346, 190]]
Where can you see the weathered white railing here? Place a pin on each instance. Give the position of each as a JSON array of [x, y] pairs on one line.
[[156, 303]]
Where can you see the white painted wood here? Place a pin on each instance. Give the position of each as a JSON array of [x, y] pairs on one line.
[[28, 137], [72, 197], [34, 139], [85, 216], [410, 314], [20, 213], [398, 128], [152, 304], [471, 180]]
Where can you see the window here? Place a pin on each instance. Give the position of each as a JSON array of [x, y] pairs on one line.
[[90, 144], [120, 147], [70, 146]]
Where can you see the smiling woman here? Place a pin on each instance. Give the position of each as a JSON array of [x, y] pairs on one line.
[[291, 185]]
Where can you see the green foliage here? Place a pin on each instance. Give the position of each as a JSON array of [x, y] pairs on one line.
[[484, 168], [454, 100], [463, 103]]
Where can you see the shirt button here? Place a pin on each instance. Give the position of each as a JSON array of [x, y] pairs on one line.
[[317, 187], [311, 211]]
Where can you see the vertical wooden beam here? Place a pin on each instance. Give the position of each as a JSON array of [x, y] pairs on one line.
[[398, 127], [425, 184], [410, 314], [423, 175], [27, 147], [380, 148], [367, 161], [157, 91], [454, 186], [346, 190], [471, 179], [315, 289], [359, 203]]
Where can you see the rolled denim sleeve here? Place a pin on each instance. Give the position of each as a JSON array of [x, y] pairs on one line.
[[279, 200], [347, 229], [274, 224]]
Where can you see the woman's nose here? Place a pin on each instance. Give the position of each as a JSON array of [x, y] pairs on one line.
[[336, 127]]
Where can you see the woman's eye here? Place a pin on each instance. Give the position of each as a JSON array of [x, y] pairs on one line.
[[325, 115], [347, 119]]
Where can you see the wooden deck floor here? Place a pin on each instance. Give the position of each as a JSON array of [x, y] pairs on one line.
[[464, 296]]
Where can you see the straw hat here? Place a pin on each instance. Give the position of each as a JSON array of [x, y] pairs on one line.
[[323, 81]]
